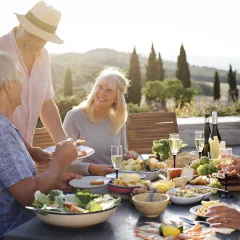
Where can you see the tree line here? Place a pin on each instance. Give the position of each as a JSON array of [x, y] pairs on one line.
[[179, 88]]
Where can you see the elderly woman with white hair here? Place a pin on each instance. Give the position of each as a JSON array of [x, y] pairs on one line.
[[100, 120], [18, 179]]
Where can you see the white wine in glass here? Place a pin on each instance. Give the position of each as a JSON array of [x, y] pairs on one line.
[[199, 142], [174, 142], [116, 157]]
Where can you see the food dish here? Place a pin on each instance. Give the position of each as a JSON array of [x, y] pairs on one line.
[[150, 167], [124, 185], [97, 182], [83, 152], [187, 195], [65, 212], [85, 182], [150, 209], [200, 210], [113, 175]]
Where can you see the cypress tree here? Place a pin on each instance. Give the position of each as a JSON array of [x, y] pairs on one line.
[[216, 87], [68, 85], [152, 66], [160, 70], [232, 81], [183, 72], [134, 74]]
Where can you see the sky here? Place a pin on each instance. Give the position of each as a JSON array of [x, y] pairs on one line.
[[209, 29]]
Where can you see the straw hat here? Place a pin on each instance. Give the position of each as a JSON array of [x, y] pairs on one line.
[[42, 20]]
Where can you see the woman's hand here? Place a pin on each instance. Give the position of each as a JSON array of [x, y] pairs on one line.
[[131, 155], [235, 168], [100, 169], [223, 216], [66, 152]]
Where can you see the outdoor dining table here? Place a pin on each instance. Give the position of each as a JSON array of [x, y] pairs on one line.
[[120, 226]]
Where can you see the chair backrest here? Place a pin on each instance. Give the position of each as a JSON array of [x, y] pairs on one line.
[[143, 128], [42, 138]]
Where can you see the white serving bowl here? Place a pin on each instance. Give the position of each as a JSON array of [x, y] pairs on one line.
[[182, 200], [77, 220], [150, 175]]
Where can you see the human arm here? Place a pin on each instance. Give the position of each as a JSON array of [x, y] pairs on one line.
[[23, 190], [84, 168], [70, 126], [51, 120], [38, 155], [223, 216]]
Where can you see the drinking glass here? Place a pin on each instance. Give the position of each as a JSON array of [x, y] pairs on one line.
[[199, 142], [117, 157], [174, 146], [225, 161]]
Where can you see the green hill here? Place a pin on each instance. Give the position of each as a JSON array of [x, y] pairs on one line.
[[85, 66]]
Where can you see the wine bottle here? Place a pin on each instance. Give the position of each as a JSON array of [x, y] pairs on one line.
[[207, 133], [215, 131]]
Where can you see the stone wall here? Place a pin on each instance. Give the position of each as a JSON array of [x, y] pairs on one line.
[[229, 129]]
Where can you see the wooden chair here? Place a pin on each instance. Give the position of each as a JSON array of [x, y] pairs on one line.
[[143, 128], [42, 138]]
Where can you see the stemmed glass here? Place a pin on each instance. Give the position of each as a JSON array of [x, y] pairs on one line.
[[174, 146], [199, 142], [225, 161], [117, 157]]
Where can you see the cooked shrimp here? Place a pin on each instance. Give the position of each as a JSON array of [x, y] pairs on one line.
[[154, 224]]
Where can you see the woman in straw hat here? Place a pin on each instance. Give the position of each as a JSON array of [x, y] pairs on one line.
[[26, 43], [100, 120], [18, 179]]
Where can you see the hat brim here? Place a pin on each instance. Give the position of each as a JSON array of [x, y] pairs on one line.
[[28, 26]]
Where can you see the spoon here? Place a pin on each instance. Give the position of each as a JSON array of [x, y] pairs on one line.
[[191, 222], [151, 194], [50, 210]]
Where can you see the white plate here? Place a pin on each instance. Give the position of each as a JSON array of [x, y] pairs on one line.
[[193, 210], [85, 182], [89, 151], [113, 175]]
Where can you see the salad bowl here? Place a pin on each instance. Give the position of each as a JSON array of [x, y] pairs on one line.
[[78, 210]]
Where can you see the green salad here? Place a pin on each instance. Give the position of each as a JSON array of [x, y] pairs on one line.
[[81, 202]]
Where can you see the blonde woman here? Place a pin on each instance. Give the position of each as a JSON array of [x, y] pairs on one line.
[[100, 120]]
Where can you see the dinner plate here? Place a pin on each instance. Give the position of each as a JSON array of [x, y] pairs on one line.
[[85, 182], [193, 211], [89, 151]]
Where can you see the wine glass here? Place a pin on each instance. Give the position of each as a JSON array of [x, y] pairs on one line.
[[174, 146], [117, 157], [225, 161], [199, 142]]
